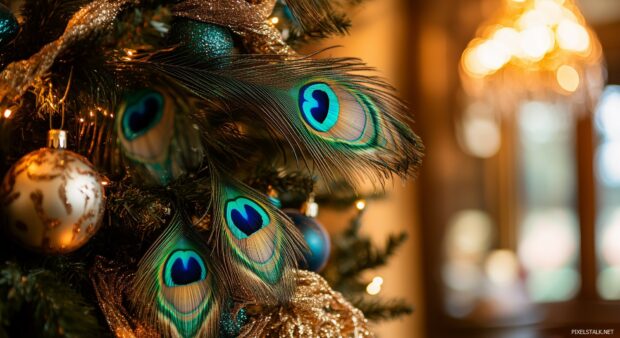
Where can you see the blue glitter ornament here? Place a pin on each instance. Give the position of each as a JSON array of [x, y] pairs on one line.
[[316, 238], [203, 40], [8, 25]]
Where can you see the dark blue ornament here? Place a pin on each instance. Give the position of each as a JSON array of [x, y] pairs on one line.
[[201, 40], [317, 240], [8, 26]]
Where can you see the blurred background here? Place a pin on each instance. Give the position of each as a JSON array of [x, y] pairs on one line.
[[514, 219]]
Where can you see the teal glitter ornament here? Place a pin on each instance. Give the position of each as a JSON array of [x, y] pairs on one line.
[[201, 39], [8, 25], [230, 325]]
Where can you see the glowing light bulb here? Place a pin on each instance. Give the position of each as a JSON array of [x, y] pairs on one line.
[[374, 287], [360, 205], [472, 64], [537, 41], [572, 36], [551, 10], [568, 78], [532, 18], [7, 113], [509, 39], [275, 20], [493, 55]]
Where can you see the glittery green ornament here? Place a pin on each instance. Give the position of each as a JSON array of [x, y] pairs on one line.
[[201, 39], [8, 25]]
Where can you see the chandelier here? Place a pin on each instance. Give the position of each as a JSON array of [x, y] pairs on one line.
[[534, 50]]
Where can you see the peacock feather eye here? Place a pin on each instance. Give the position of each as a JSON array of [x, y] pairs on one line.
[[173, 288], [143, 111], [244, 217], [156, 137], [319, 106], [339, 114], [184, 267]]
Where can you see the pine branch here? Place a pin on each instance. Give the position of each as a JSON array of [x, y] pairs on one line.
[[376, 309], [40, 304]]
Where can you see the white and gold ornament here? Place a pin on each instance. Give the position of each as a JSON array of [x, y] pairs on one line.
[[52, 199]]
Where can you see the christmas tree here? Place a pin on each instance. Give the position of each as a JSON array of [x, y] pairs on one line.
[[161, 163]]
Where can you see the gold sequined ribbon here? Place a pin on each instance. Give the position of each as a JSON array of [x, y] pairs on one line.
[[111, 283], [248, 20], [314, 311], [20, 75]]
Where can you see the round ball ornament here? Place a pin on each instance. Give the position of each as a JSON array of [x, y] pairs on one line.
[[317, 240], [52, 198], [8, 25], [201, 40]]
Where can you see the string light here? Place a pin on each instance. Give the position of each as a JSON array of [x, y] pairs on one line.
[[275, 20], [360, 205], [374, 287], [7, 113]]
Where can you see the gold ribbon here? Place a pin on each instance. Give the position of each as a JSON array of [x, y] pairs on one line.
[[18, 76]]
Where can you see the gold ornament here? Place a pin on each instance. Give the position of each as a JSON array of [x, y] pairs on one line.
[[52, 199], [314, 311]]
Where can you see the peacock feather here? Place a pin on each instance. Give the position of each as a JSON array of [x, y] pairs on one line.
[[258, 243], [349, 125], [155, 137], [174, 288]]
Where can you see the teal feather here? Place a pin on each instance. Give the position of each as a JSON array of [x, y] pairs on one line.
[[349, 125], [258, 244], [174, 288]]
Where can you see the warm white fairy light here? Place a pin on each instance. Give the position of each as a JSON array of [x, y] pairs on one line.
[[374, 287], [275, 20], [7, 113], [360, 205]]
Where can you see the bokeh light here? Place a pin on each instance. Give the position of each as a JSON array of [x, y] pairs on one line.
[[480, 133], [572, 36], [608, 164], [608, 113], [608, 283], [610, 243], [568, 78], [502, 267], [553, 285], [469, 234], [549, 239]]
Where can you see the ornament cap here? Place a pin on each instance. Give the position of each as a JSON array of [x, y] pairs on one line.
[[57, 139]]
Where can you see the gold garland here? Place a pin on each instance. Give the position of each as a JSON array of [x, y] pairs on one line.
[[19, 76], [314, 311]]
